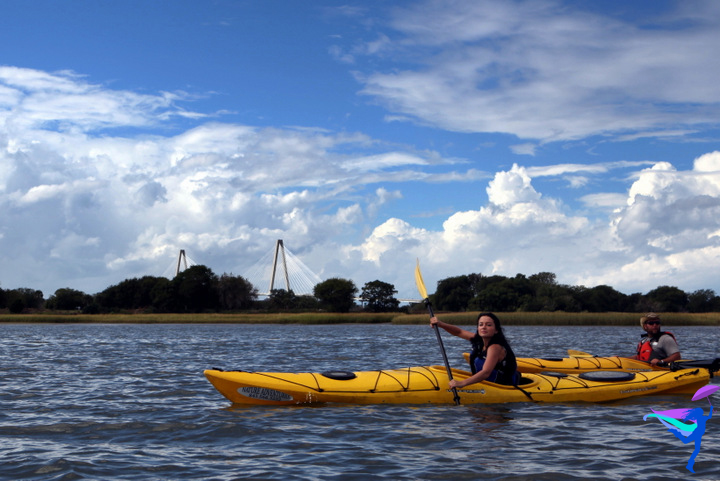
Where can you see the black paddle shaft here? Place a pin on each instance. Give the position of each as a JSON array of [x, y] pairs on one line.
[[456, 396], [713, 365]]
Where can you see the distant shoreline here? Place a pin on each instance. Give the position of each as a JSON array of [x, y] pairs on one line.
[[461, 318]]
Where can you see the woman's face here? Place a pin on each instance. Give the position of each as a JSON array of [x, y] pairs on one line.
[[486, 327]]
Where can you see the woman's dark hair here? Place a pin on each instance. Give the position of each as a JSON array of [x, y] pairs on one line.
[[499, 336]]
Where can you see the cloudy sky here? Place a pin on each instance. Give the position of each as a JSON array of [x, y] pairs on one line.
[[494, 137]]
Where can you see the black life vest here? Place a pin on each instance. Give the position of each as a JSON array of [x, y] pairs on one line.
[[504, 372], [644, 347]]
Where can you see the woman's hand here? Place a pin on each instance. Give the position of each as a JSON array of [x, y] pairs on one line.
[[433, 321], [454, 383]]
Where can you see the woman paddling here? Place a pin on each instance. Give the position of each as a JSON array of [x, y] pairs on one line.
[[491, 358]]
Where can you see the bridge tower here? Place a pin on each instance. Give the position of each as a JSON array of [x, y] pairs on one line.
[[182, 260], [279, 252]]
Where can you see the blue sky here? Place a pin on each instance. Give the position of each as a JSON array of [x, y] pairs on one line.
[[493, 137]]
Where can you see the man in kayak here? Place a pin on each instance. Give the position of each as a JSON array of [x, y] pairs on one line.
[[491, 358], [655, 345]]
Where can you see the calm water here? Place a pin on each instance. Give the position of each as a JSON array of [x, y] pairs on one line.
[[130, 402]]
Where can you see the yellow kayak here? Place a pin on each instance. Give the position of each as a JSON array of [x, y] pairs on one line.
[[428, 385], [583, 364], [576, 365], [573, 365]]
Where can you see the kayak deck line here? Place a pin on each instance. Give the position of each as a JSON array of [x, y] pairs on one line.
[[407, 372]]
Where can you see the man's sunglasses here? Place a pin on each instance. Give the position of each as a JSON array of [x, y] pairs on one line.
[[653, 323]]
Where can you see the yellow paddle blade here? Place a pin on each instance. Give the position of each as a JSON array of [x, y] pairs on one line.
[[574, 353], [419, 281]]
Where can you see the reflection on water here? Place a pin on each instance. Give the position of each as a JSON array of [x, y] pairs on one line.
[[489, 419], [130, 402]]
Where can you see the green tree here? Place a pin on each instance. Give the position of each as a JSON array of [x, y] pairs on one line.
[[601, 299], [523, 287], [235, 292], [703, 300], [306, 303], [280, 299], [195, 290], [544, 278], [454, 293], [667, 299], [129, 294], [500, 293], [67, 299], [164, 296], [496, 297], [31, 298], [336, 295], [380, 296], [17, 306]]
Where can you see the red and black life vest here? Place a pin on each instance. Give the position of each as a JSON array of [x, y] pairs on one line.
[[644, 347]]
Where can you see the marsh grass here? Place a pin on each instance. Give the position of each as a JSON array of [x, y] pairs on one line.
[[203, 318], [460, 318], [575, 318]]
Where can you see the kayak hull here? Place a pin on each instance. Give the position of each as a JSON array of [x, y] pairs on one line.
[[428, 385]]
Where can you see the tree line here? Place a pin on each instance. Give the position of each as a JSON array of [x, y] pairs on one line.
[[198, 289], [542, 292]]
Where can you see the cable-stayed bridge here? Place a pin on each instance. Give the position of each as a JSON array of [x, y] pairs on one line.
[[285, 271], [278, 269], [288, 272]]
